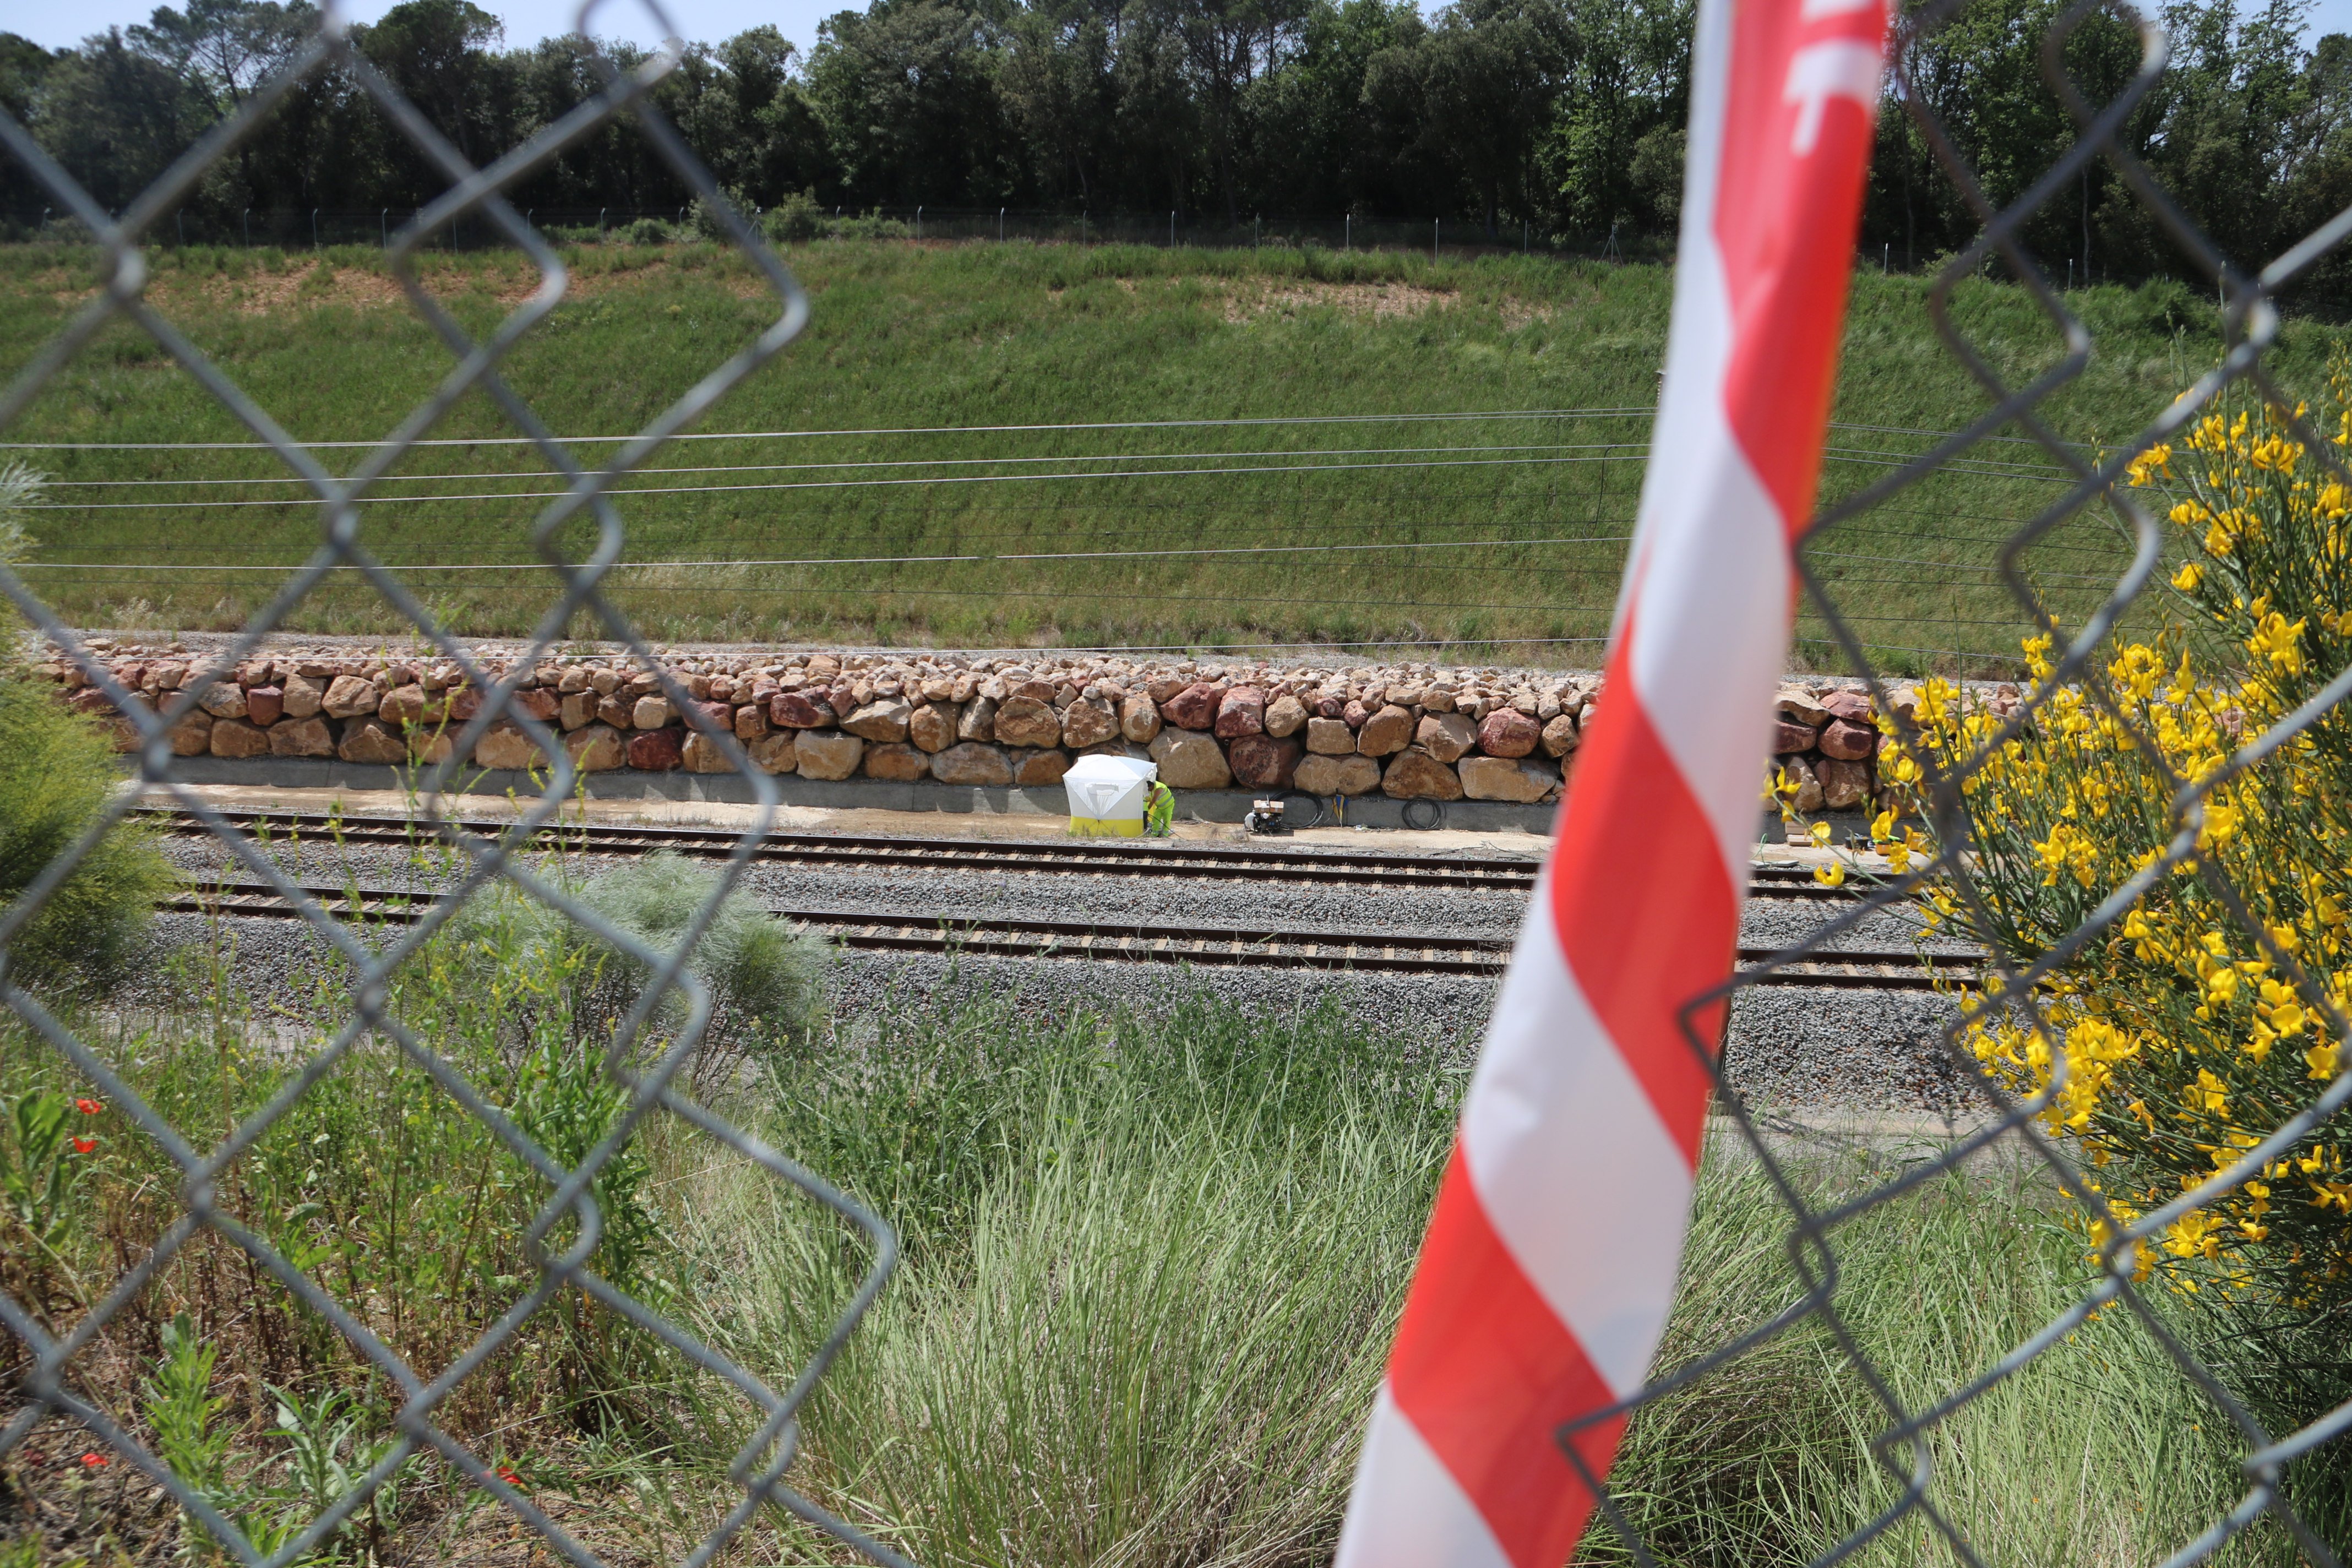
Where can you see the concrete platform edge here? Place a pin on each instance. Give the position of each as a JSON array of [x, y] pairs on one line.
[[870, 794]]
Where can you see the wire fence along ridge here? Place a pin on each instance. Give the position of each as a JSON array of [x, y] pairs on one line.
[[567, 1226], [566, 1231]]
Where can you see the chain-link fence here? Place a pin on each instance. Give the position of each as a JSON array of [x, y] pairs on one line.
[[2026, 990], [567, 1229]]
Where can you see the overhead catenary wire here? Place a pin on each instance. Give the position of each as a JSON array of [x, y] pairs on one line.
[[1628, 411], [983, 558], [624, 490]]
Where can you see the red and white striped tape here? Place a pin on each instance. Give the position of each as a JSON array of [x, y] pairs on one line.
[[1550, 1264]]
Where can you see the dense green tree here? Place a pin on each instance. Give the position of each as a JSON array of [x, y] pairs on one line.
[[1566, 115]]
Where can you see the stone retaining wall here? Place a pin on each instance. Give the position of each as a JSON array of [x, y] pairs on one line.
[[1409, 731]]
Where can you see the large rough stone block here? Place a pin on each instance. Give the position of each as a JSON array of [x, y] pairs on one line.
[[1088, 722], [302, 696], [578, 709], [1844, 739], [1330, 737], [828, 754], [896, 760], [617, 710], [1195, 706], [979, 722], [1387, 731], [237, 738], [1560, 736], [651, 713], [263, 706], [1507, 732], [535, 702], [882, 720], [597, 749], [1809, 783], [933, 727], [1035, 770], [1507, 778], [774, 753], [1845, 782], [504, 746], [368, 740], [408, 704], [700, 754], [192, 736], [1414, 775], [1799, 706], [1263, 761], [1350, 775], [750, 721], [1139, 720], [1286, 715], [301, 738], [1445, 736], [1853, 706], [1026, 722], [223, 699], [657, 751], [1241, 711], [801, 710], [1189, 759], [972, 762], [1788, 739]]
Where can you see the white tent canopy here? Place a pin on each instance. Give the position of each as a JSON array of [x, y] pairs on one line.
[[1107, 795]]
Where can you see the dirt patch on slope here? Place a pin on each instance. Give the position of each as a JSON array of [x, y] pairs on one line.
[[1249, 301]]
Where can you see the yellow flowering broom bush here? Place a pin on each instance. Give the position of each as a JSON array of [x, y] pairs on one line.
[[2183, 1041]]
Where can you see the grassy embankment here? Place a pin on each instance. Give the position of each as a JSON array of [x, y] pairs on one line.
[[1526, 516], [1153, 1265]]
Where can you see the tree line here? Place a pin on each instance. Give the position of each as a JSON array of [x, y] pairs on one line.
[[1562, 115]]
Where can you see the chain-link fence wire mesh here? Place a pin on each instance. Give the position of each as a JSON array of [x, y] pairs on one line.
[[564, 1234], [2018, 983]]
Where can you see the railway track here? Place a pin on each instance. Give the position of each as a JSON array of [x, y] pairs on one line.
[[1099, 857], [1368, 952]]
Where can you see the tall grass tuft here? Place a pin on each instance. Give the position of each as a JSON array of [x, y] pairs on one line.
[[2100, 1452], [1154, 1264]]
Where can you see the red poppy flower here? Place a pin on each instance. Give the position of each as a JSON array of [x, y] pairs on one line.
[[87, 1106], [84, 1145], [93, 1461], [506, 1475]]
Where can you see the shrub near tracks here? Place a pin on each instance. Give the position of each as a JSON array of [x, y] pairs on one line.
[[406, 1210], [2185, 1040]]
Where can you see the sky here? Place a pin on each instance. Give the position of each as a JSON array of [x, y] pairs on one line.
[[528, 21]]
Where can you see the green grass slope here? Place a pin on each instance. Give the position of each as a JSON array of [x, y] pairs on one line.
[[1356, 513]]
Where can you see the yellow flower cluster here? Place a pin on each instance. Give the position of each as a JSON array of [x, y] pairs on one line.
[[2182, 1035]]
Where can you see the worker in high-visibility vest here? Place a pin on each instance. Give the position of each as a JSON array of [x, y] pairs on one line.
[[1158, 810]]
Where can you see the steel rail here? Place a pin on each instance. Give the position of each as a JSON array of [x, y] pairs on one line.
[[1105, 858], [1381, 951]]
